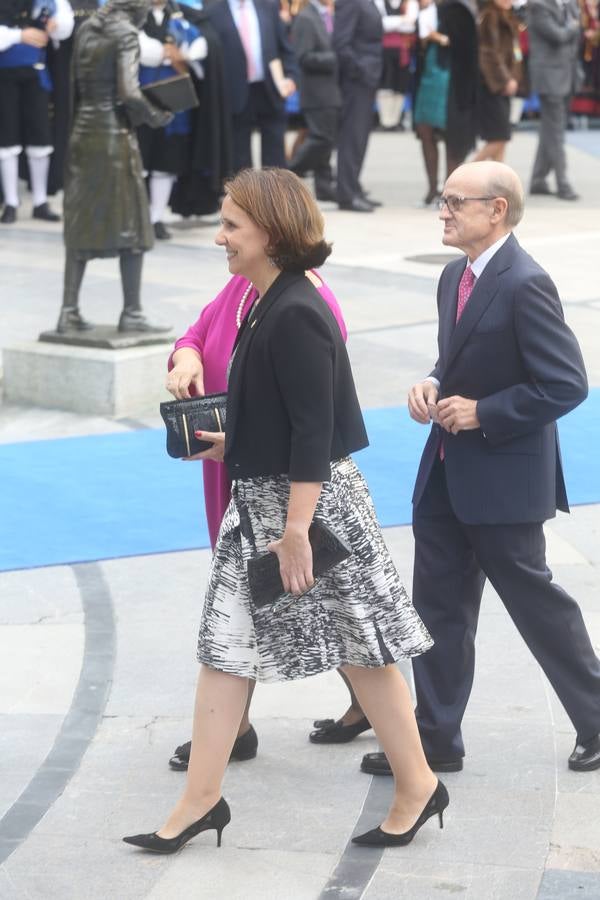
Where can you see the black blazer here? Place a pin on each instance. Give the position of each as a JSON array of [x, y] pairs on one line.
[[317, 60], [357, 40], [513, 353], [291, 405], [275, 45]]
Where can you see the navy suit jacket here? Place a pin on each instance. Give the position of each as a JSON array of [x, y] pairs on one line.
[[275, 45], [512, 352]]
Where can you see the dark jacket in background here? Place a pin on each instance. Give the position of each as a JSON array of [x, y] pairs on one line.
[[357, 40], [457, 20], [275, 45], [498, 34], [317, 60]]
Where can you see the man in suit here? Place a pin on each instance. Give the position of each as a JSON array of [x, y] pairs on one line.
[[554, 35], [357, 40], [252, 36], [319, 93], [490, 473]]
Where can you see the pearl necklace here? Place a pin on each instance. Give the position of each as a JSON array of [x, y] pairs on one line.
[[238, 315]]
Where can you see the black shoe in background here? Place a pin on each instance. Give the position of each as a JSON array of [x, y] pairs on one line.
[[377, 764], [357, 205], [245, 747], [9, 215], [44, 213], [161, 232]]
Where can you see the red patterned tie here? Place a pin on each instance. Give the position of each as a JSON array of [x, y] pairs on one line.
[[464, 290], [465, 287]]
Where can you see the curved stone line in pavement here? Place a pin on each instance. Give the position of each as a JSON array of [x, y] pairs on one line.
[[81, 721]]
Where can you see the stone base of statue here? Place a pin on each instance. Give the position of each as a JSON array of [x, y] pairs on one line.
[[100, 372]]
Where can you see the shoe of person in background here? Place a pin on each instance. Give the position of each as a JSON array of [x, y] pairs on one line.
[[9, 215], [377, 764], [567, 193], [161, 232], [338, 733], [541, 188], [357, 205], [245, 747], [44, 213]]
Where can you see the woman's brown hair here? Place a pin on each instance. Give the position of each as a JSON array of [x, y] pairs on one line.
[[278, 202]]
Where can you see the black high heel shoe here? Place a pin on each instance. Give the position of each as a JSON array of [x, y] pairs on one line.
[[216, 818], [436, 804]]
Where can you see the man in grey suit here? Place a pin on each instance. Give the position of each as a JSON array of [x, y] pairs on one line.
[[554, 36]]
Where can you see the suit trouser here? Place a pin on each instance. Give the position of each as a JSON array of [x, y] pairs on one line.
[[314, 154], [452, 561], [353, 136], [259, 113], [550, 154]]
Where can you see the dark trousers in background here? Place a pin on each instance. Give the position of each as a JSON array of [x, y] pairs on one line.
[[452, 561], [550, 156], [259, 113], [314, 154], [353, 136]]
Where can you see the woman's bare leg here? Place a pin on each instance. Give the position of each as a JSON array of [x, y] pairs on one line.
[[386, 700], [494, 150], [245, 723], [219, 707], [354, 713]]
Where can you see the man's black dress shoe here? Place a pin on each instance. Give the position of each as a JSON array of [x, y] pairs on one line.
[[436, 805], [371, 202], [567, 194], [215, 819], [44, 213], [377, 764], [326, 192], [357, 205], [9, 215], [541, 188], [245, 747], [137, 321], [586, 756], [338, 733], [161, 232]]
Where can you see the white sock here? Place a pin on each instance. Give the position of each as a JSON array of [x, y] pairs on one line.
[[38, 170], [161, 184], [9, 169], [389, 108]]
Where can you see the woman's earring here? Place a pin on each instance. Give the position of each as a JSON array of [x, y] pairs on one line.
[[272, 261]]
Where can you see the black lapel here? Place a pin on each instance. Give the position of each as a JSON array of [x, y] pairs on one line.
[[486, 288], [318, 23], [230, 22], [244, 340]]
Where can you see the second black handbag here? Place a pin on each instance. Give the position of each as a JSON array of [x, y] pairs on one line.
[[184, 417], [264, 579]]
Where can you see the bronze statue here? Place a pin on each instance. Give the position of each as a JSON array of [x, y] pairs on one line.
[[105, 204]]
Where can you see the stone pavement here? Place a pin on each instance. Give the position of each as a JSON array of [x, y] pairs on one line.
[[97, 661]]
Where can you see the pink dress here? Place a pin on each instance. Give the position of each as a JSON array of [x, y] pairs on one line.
[[213, 336]]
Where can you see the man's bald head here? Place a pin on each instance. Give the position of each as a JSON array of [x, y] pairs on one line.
[[492, 179]]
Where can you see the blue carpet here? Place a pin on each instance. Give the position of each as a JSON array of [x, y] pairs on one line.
[[104, 496]]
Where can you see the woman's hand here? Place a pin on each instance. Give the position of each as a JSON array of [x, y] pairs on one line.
[[217, 439], [511, 87], [295, 560], [188, 369]]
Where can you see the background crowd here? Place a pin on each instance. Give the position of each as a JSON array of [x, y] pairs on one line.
[[334, 71]]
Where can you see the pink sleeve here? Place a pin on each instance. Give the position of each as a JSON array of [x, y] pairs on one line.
[[195, 336], [329, 298]]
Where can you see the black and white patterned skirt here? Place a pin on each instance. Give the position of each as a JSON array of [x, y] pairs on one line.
[[358, 613]]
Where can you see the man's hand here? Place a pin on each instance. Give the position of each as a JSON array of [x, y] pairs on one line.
[[216, 452], [458, 414], [420, 395], [511, 87], [34, 37]]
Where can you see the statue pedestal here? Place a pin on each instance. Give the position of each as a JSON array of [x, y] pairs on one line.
[[76, 373]]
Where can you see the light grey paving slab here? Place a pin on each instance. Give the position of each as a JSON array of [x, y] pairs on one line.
[[24, 743], [399, 877], [558, 885], [243, 875], [35, 596]]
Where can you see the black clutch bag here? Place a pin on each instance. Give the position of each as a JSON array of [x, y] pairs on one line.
[[184, 417], [175, 94], [264, 579]]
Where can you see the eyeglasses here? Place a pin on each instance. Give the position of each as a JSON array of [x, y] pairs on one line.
[[454, 203]]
